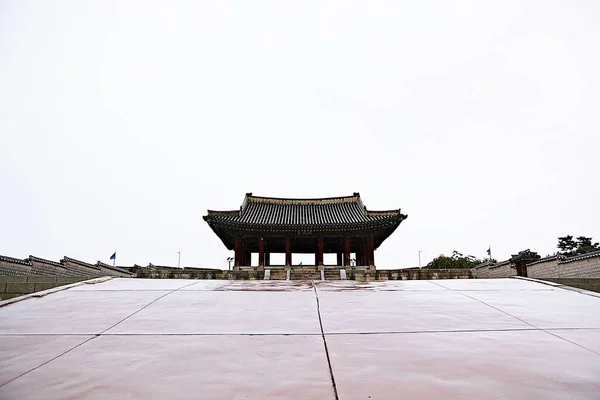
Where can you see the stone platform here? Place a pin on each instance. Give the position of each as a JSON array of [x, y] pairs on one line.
[[216, 339]]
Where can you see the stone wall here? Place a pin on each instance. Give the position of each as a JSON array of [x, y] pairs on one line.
[[67, 267], [14, 266], [545, 268], [16, 285], [494, 270], [582, 266]]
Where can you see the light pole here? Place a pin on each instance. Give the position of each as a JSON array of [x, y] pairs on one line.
[[229, 260], [179, 259], [419, 259]]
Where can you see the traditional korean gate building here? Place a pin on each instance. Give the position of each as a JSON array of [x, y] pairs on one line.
[[340, 225]]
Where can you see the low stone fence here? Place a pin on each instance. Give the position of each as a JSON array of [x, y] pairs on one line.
[[360, 274], [14, 286], [423, 273], [164, 272]]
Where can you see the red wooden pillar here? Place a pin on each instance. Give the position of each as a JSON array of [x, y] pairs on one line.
[[288, 251], [347, 252], [261, 253], [238, 252], [320, 251], [371, 250]]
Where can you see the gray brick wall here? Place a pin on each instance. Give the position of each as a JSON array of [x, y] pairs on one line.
[[547, 269], [499, 270], [68, 267], [575, 267], [14, 266]]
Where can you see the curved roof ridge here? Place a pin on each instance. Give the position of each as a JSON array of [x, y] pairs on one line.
[[383, 212], [223, 212], [355, 197]]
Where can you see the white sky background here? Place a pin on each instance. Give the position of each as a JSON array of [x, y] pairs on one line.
[[122, 122]]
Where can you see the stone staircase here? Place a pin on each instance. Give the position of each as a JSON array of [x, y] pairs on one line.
[[278, 274], [332, 274], [305, 273]]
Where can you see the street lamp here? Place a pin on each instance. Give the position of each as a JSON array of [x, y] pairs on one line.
[[229, 260], [419, 259]]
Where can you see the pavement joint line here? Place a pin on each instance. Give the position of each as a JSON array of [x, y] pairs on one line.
[[307, 334], [335, 392], [530, 324], [48, 361], [146, 306], [91, 338], [522, 320], [558, 285]]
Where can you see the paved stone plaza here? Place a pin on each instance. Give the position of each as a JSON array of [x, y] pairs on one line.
[[189, 339]]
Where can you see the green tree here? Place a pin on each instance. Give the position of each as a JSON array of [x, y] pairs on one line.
[[456, 260], [585, 245], [567, 245]]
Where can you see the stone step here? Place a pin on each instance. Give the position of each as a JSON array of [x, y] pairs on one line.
[[278, 275], [304, 269], [303, 277]]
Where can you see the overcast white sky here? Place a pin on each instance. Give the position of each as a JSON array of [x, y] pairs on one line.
[[122, 122]]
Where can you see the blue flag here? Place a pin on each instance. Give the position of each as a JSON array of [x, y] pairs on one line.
[[489, 251], [113, 256]]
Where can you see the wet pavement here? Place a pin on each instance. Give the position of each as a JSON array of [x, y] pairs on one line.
[[202, 339]]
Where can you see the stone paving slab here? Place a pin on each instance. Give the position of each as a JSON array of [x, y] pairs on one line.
[[472, 365], [588, 338], [386, 286], [130, 284], [19, 354], [358, 312], [556, 308], [183, 367], [498, 284], [173, 339], [73, 312], [227, 312]]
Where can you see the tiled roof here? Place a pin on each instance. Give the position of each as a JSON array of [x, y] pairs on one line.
[[15, 260], [78, 262], [44, 261], [546, 259], [489, 264], [582, 256], [347, 210]]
